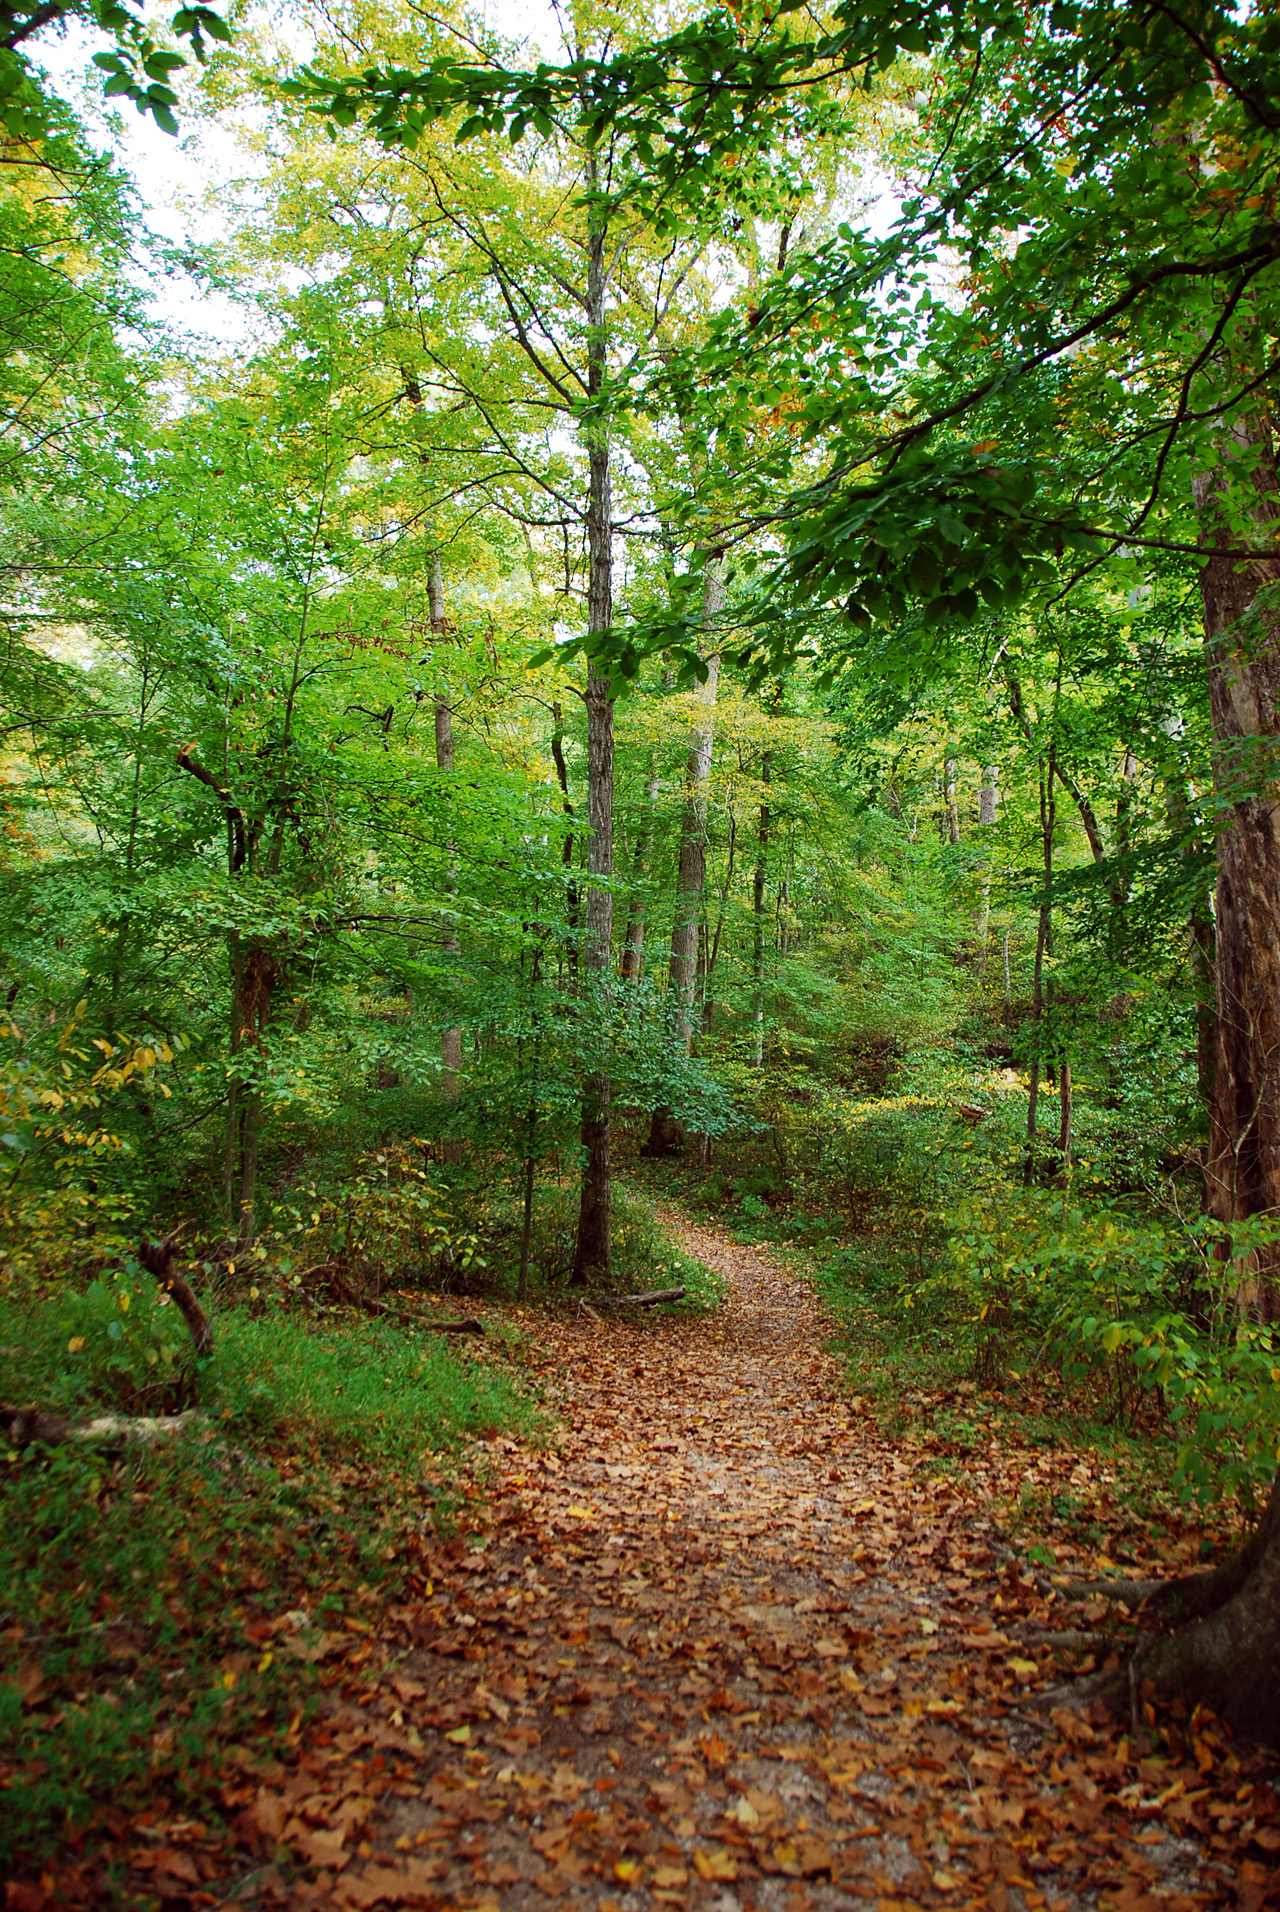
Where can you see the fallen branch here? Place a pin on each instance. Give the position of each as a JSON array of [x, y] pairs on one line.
[[648, 1300], [1066, 1638], [1131, 1592], [469, 1324], [22, 1425]]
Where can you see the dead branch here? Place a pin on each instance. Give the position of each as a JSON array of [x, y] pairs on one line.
[[1067, 1639], [22, 1425], [157, 1258], [648, 1300]]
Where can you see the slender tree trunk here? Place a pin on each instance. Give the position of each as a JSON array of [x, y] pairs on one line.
[[757, 917], [1243, 648], [949, 774], [531, 1134], [1008, 973], [1044, 933], [691, 873], [451, 942], [526, 1227], [593, 1249], [566, 856], [633, 942], [253, 973], [1064, 1110], [988, 799]]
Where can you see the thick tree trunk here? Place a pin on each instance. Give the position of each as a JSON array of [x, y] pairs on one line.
[[1239, 503], [1229, 1659], [451, 942], [665, 1134], [592, 1251]]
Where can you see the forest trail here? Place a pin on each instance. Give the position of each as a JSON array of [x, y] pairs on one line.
[[728, 1646]]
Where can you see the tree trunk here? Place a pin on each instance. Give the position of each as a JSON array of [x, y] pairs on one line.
[[633, 942], [1044, 933], [1229, 1659], [665, 1134], [253, 974], [757, 917], [451, 942], [592, 1251], [988, 799], [1064, 1110], [949, 794], [1243, 649], [567, 850]]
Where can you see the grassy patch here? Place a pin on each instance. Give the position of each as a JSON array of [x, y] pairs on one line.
[[144, 1632]]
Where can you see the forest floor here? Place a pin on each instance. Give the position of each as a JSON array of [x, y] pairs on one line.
[[724, 1644]]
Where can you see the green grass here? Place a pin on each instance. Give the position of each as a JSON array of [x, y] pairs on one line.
[[136, 1584], [367, 1388]]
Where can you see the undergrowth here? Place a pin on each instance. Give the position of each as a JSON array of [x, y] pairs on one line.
[[162, 1604]]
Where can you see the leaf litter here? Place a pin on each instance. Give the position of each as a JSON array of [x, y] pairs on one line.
[[725, 1645]]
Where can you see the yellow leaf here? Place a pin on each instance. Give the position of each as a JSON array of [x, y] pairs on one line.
[[583, 1513], [460, 1735], [1025, 1669], [714, 1865], [124, 1301], [627, 1870], [75, 1344]]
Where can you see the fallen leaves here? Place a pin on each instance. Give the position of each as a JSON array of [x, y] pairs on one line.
[[724, 1633]]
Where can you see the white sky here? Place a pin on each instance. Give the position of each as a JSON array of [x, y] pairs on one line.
[[187, 185]]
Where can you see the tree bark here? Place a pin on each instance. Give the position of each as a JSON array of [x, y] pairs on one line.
[[1230, 1659], [1229, 1656], [1240, 497], [593, 1248]]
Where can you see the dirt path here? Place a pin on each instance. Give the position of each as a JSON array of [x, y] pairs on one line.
[[727, 1646]]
